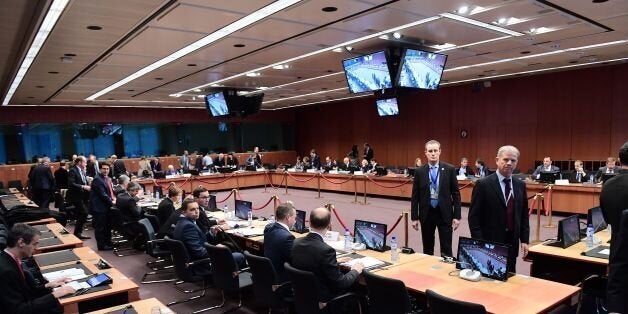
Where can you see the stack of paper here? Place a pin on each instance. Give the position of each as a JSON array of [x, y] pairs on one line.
[[367, 261], [72, 273]]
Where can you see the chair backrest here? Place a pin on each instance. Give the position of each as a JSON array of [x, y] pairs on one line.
[[180, 258], [440, 304], [4, 233], [149, 234], [15, 184], [306, 297], [224, 268], [154, 221], [386, 295], [264, 277]]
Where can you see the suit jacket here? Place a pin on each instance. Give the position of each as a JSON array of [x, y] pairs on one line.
[[198, 163], [540, 168], [368, 154], [192, 237], [128, 207], [448, 193], [61, 178], [15, 297], [487, 214], [118, 168], [316, 162], [91, 169], [278, 247], [311, 253], [232, 161], [469, 171], [602, 171], [155, 166], [573, 178], [184, 161], [99, 197], [75, 186], [613, 200], [41, 178], [617, 287], [165, 209], [219, 162]]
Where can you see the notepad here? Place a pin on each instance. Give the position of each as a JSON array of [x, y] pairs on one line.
[[248, 232], [367, 261], [72, 273]]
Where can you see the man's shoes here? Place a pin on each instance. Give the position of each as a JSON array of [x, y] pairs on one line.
[[82, 237], [105, 248]]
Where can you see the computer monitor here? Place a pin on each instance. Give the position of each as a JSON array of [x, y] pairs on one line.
[[387, 107], [568, 231], [411, 171], [549, 176], [380, 171], [421, 69], [372, 234], [596, 219], [367, 73], [211, 205], [299, 224], [216, 104], [159, 175], [242, 209], [606, 176], [489, 258]]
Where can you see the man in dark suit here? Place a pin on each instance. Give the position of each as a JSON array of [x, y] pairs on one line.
[[184, 161], [617, 287], [609, 168], [131, 213], [315, 160], [464, 168], [92, 167], [166, 206], [579, 175], [118, 167], [278, 239], [435, 201], [61, 176], [78, 194], [101, 198], [232, 160], [545, 167], [42, 183], [312, 254], [15, 294], [345, 165], [499, 207], [481, 170], [613, 198], [155, 164], [220, 160], [368, 152]]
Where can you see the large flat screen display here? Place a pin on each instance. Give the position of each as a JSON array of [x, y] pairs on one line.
[[216, 104], [421, 69], [367, 73], [387, 107]]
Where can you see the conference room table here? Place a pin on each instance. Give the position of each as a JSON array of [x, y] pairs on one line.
[[568, 265], [68, 240], [143, 306]]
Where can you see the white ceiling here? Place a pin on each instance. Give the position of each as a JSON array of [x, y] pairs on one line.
[[136, 33]]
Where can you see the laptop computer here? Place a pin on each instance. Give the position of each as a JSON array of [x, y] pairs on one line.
[[549, 176], [242, 209], [211, 203], [568, 233], [489, 258], [299, 225], [372, 234], [596, 219]]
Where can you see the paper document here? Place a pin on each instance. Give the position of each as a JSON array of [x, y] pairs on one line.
[[247, 231], [367, 261], [78, 285], [72, 273], [604, 252]]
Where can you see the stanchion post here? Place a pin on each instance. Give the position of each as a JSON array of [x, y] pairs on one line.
[[267, 178], [355, 190], [274, 203], [538, 217], [330, 207], [550, 208], [235, 197], [286, 176], [365, 202], [406, 249], [318, 184]]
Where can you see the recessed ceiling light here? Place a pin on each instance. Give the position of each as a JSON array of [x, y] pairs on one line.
[[191, 64], [253, 74], [94, 27], [53, 72], [599, 1], [159, 78], [197, 90], [299, 77], [329, 9], [66, 59], [330, 71], [573, 61], [349, 48], [384, 37], [239, 45], [130, 90], [30, 97], [397, 35], [463, 9], [69, 54], [337, 49]]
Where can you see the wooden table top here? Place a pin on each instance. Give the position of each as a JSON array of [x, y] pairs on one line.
[[69, 240], [573, 252], [85, 254], [142, 306]]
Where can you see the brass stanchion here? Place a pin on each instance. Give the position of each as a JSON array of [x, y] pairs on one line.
[[267, 178], [237, 181], [406, 249], [549, 207], [274, 203], [330, 207], [286, 176], [235, 197], [365, 202], [318, 185], [539, 201], [355, 190]]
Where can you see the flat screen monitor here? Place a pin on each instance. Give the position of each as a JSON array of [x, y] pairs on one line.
[[606, 176], [387, 107], [367, 73], [421, 69], [489, 258], [549, 176], [211, 204], [372, 234], [299, 224], [569, 231], [242, 209], [216, 104], [596, 219]]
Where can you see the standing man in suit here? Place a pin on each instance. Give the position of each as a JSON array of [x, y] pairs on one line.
[[464, 169], [316, 160], [311, 253], [118, 167], [61, 176], [481, 170], [499, 207], [78, 194], [368, 152], [579, 175], [278, 240], [609, 168], [545, 167], [435, 201], [617, 287], [166, 206], [101, 198], [232, 160], [15, 294], [155, 164], [613, 198], [42, 183], [184, 161], [258, 157]]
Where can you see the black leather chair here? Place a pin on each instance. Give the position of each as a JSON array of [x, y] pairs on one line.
[[306, 297], [4, 233], [386, 295], [157, 249], [154, 221], [593, 295], [269, 292], [183, 268], [440, 304], [227, 277]]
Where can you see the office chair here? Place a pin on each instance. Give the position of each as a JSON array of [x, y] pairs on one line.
[[593, 291], [440, 304], [268, 291], [15, 184], [4, 234], [154, 221], [226, 275], [155, 248], [184, 268], [306, 297], [386, 295]]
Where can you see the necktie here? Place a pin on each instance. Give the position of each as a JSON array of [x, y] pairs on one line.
[[19, 266], [578, 176], [109, 187], [83, 176], [510, 206], [434, 185]]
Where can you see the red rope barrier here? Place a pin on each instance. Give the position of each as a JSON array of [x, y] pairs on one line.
[[225, 180], [395, 225], [388, 187], [270, 200], [332, 182], [344, 227], [302, 181], [226, 198], [238, 195], [270, 181], [465, 186]]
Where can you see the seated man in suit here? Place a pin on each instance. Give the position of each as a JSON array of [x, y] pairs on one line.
[[609, 168], [481, 170], [123, 182], [155, 164], [220, 160], [144, 169], [373, 165], [15, 294], [464, 169], [311, 253], [346, 163], [166, 206], [315, 160], [232, 160], [365, 167], [278, 239], [171, 171], [579, 175], [545, 167], [188, 232], [131, 213]]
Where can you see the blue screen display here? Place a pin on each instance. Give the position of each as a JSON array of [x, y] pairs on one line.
[[387, 107], [216, 104], [421, 69], [367, 73]]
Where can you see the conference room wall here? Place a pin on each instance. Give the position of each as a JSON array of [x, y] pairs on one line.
[[578, 114]]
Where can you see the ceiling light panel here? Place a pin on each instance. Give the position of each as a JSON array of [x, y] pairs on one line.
[[483, 25]]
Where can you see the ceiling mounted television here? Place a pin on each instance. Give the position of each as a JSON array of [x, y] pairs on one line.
[[216, 104], [367, 73], [421, 69], [387, 107]]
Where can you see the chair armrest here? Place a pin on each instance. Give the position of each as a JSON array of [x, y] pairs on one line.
[[156, 241], [322, 305], [196, 262], [277, 287]]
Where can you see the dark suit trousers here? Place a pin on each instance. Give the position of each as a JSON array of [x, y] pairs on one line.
[[41, 197], [80, 213], [102, 229], [445, 231], [513, 252]]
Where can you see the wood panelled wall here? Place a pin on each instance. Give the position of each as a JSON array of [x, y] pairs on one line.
[[581, 114]]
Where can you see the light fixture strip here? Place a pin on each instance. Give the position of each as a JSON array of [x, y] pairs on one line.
[[319, 102], [209, 39], [480, 24], [473, 44], [49, 22], [305, 95], [293, 83]]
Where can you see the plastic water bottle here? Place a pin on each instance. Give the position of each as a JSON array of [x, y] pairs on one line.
[[394, 255], [157, 196], [226, 211], [589, 236], [271, 219], [249, 218], [348, 245]]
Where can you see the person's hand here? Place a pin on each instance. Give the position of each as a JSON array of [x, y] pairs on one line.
[[221, 221], [63, 291], [415, 224], [358, 267], [87, 188], [524, 248], [455, 223], [57, 282]]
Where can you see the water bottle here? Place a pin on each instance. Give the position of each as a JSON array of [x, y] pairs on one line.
[[394, 255], [589, 236], [157, 196], [271, 219], [226, 211], [348, 244], [249, 218]]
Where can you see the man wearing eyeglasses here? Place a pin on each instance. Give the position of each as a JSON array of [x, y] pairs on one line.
[[435, 201]]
